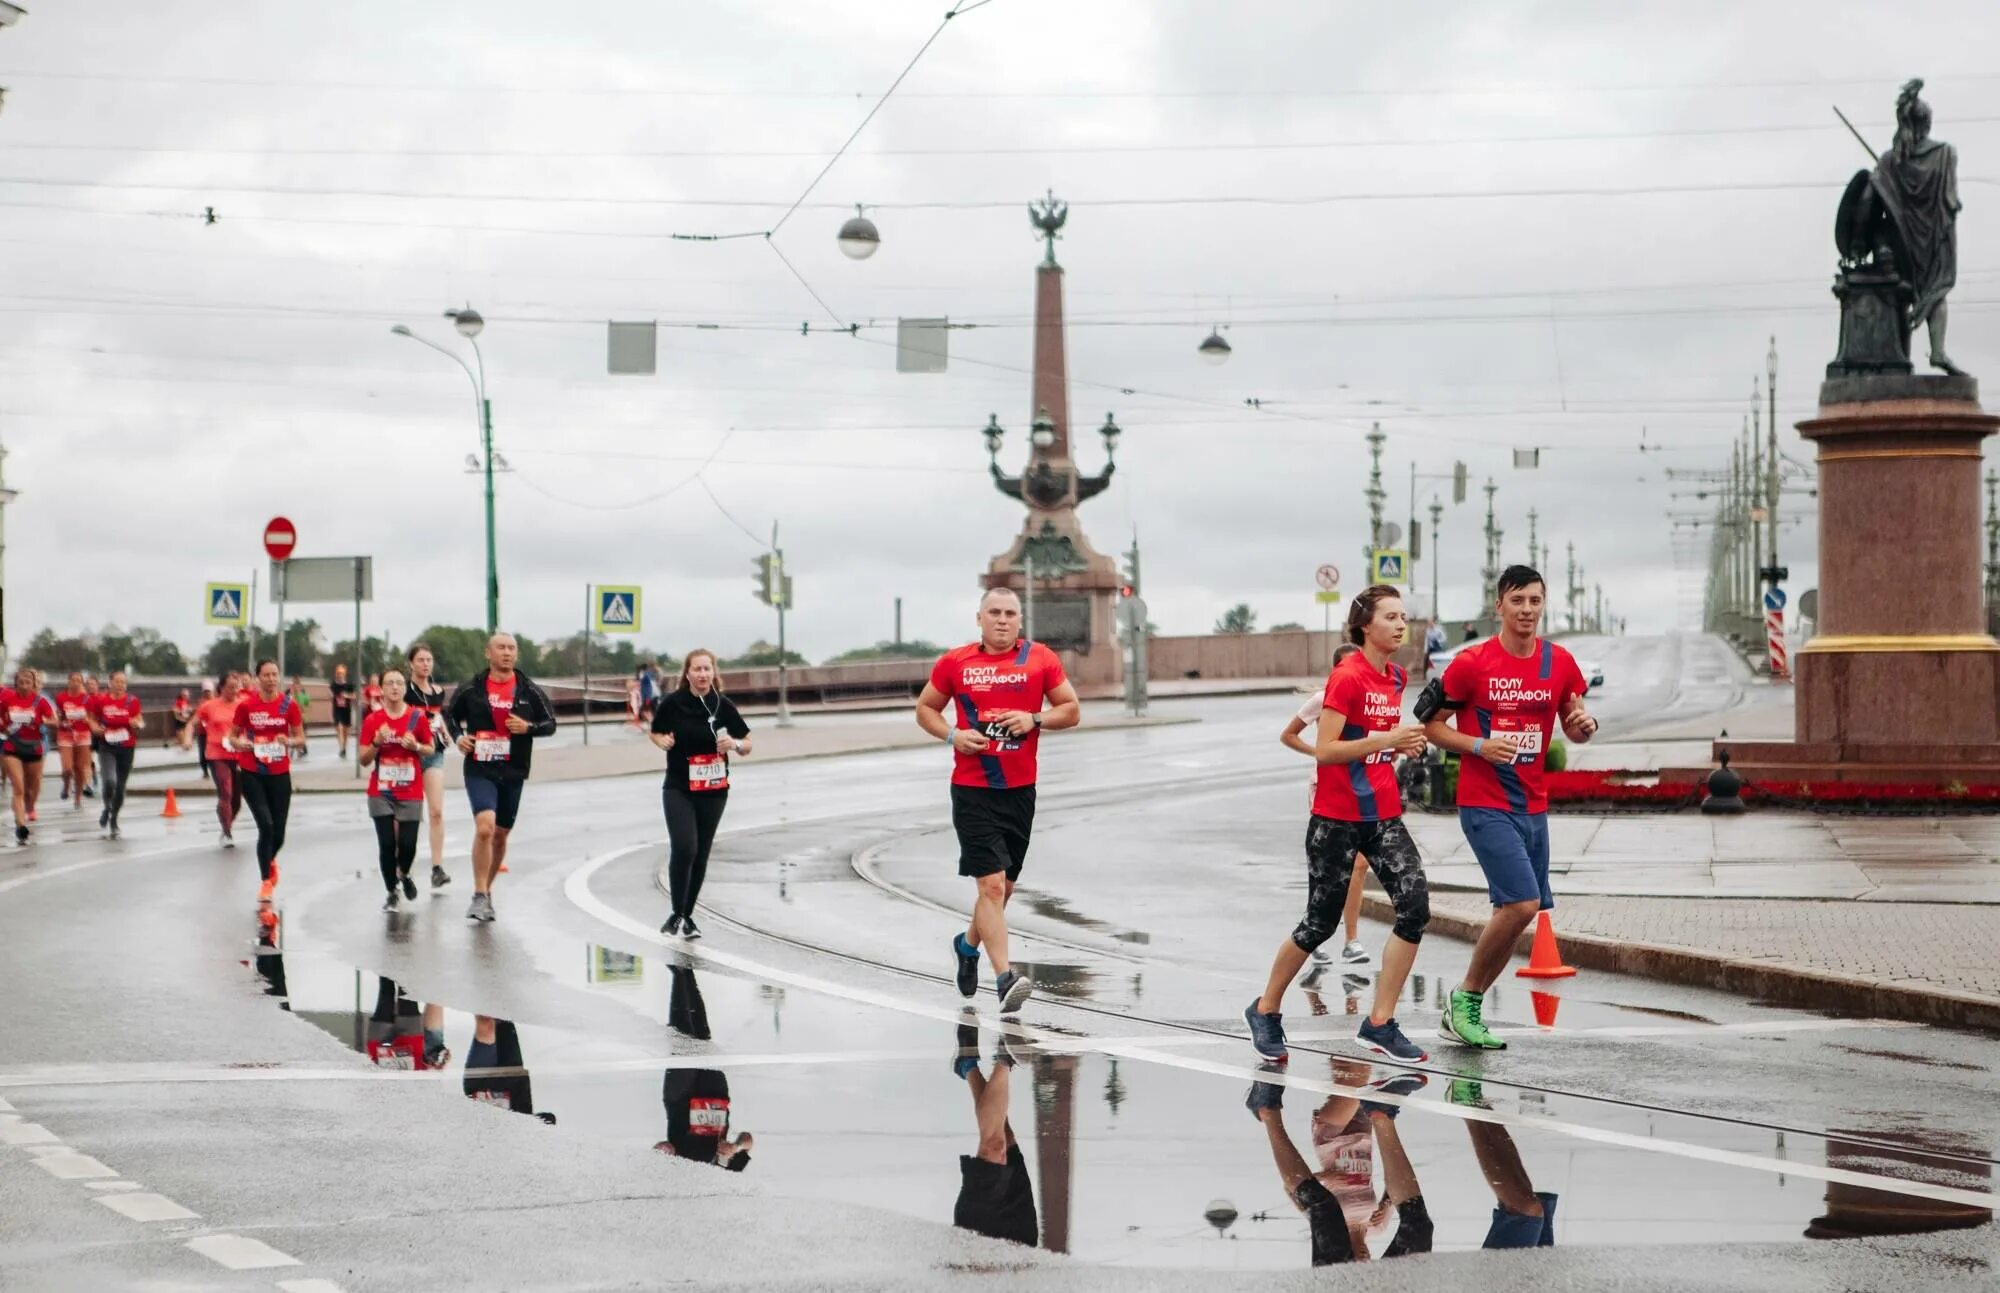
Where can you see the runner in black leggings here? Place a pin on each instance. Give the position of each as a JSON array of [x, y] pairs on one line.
[[699, 729], [115, 724], [394, 739], [267, 729]]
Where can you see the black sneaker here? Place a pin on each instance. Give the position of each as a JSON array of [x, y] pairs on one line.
[[1265, 1095], [1267, 1033], [90, 792], [965, 1060], [409, 887], [103, 819], [688, 929], [438, 878], [1013, 989], [1414, 1229], [672, 929], [20, 835], [391, 902], [967, 966]]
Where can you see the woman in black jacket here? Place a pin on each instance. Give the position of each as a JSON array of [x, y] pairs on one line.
[[699, 729]]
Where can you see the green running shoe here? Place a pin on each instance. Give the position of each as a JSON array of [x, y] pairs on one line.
[[1462, 1023], [1467, 1092]]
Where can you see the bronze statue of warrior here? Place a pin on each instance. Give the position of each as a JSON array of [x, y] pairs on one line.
[[1915, 183]]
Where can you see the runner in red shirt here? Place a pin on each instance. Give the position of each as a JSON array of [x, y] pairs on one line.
[[996, 688], [498, 713], [115, 722], [25, 712], [73, 738], [395, 739], [212, 721], [1510, 692], [265, 731], [1358, 809]]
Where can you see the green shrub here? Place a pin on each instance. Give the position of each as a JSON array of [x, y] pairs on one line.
[[1558, 757]]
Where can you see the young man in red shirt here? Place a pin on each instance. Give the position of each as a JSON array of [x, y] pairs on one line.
[[1357, 808], [996, 687], [497, 715], [1510, 692]]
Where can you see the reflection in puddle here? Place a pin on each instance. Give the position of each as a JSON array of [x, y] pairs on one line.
[[1047, 904], [697, 1100], [1855, 1211]]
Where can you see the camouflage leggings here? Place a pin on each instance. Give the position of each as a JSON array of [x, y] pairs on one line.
[[1330, 849]]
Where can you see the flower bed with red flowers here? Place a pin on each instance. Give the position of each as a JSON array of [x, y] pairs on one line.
[[1611, 786]]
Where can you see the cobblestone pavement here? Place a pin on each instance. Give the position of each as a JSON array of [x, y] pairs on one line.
[[1953, 947]]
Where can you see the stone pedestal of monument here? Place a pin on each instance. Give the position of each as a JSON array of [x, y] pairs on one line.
[[1902, 684]]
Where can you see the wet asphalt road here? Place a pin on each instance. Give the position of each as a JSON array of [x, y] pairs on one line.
[[143, 1027]]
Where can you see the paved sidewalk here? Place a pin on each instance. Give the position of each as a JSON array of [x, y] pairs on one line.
[[1932, 962], [1763, 854]]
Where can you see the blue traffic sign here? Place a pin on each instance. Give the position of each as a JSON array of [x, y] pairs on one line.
[[1774, 598]]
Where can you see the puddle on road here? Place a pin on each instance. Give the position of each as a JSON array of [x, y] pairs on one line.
[[1115, 1161]]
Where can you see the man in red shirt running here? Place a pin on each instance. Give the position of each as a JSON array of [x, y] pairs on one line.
[[996, 687], [1510, 692]]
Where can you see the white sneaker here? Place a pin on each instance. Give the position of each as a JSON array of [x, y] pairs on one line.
[[1354, 954]]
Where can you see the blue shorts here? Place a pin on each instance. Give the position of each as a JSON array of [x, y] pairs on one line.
[[501, 798], [435, 759], [1513, 851], [1518, 1230]]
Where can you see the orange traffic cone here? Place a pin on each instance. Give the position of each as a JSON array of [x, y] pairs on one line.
[[173, 807], [1545, 1008], [1544, 959]]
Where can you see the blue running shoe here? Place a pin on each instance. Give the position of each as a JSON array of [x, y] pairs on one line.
[[1013, 989], [1265, 1095], [1267, 1033], [1387, 1039], [966, 962], [1403, 1084]]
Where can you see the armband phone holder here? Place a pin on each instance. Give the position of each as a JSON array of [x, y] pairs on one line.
[[1431, 701]]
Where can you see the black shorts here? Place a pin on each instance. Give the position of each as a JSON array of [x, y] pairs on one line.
[[996, 1199], [343, 716], [25, 756], [501, 798], [993, 828], [1332, 1241]]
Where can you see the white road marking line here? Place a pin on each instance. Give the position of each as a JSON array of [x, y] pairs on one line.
[[18, 881], [111, 1185], [576, 887], [18, 1131], [310, 1286], [5, 1107], [144, 1206], [69, 1165], [241, 1254]]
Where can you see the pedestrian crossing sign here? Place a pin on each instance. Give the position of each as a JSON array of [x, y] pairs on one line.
[[617, 608], [1390, 565], [226, 604]]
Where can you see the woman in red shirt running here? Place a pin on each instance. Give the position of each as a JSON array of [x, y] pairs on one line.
[[267, 728], [395, 739], [73, 738], [116, 725], [26, 711], [212, 721]]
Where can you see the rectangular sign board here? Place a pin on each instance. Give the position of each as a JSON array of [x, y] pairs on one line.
[[227, 604], [321, 579], [615, 608]]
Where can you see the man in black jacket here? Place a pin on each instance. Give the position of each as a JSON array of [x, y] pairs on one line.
[[496, 716]]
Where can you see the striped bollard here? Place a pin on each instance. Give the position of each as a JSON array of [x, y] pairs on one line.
[[1774, 629]]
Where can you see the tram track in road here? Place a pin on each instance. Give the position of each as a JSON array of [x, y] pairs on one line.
[[1430, 1069]]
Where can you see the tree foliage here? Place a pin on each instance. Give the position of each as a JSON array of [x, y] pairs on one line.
[[762, 655], [915, 650], [140, 650], [1237, 619]]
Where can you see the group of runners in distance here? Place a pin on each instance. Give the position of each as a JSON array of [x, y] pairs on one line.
[[86, 721]]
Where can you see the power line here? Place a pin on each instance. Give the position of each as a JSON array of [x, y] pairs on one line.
[[971, 150]]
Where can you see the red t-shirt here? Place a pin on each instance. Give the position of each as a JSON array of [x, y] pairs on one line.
[[73, 709], [982, 683], [117, 714], [1507, 695], [268, 724], [1367, 701], [396, 772], [26, 712]]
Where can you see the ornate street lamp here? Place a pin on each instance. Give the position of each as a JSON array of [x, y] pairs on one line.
[[1042, 432], [1110, 431]]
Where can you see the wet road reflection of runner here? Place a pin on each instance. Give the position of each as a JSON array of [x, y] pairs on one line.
[[696, 1099], [995, 1195], [495, 1073]]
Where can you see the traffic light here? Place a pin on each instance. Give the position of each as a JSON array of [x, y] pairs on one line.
[[1131, 583], [1416, 539], [1126, 590], [1458, 482], [784, 592], [768, 578]]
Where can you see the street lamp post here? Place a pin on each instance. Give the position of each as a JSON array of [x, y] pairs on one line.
[[470, 325]]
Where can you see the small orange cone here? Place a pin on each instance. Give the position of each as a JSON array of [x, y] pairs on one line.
[[1545, 1008], [1544, 960], [173, 807]]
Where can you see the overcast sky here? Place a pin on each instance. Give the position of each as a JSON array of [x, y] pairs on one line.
[[166, 385]]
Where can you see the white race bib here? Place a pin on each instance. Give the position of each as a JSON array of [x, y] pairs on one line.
[[267, 751], [20, 717], [491, 749], [707, 772], [395, 774], [1527, 737], [117, 735], [708, 1117]]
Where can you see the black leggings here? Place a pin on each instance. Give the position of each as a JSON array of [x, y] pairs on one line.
[[691, 822], [397, 848], [114, 764], [269, 795], [1330, 849]]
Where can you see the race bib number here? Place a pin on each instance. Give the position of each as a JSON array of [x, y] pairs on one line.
[[708, 1117], [74, 713], [117, 735], [1002, 738], [1380, 756], [491, 749], [1526, 736], [396, 774], [266, 751], [707, 772], [21, 717]]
